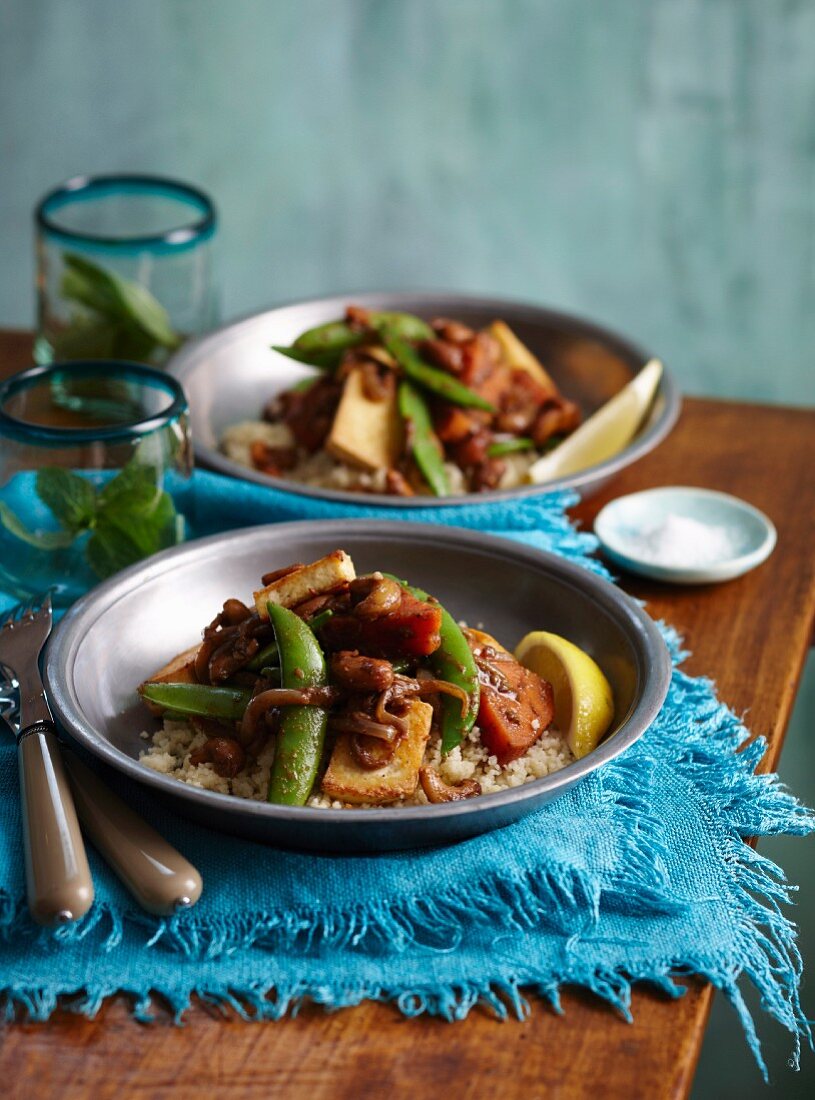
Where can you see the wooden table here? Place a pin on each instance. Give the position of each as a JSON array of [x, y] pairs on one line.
[[751, 635]]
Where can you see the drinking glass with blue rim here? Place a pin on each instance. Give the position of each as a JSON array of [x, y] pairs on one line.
[[95, 474], [124, 268]]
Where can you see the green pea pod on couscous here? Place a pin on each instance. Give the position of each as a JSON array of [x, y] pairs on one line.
[[323, 345], [324, 360], [301, 734], [510, 446], [430, 378], [424, 444], [452, 661], [198, 700]]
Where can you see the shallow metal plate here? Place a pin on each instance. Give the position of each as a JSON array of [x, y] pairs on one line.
[[128, 627], [230, 374]]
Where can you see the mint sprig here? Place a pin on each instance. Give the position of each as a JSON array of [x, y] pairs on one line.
[[128, 518], [119, 318]]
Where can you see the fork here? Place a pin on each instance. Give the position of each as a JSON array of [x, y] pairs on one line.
[[160, 879], [58, 879]]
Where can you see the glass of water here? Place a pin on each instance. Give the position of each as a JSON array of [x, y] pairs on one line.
[[95, 474], [124, 268]]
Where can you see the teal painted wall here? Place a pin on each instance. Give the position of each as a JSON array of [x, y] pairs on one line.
[[648, 162]]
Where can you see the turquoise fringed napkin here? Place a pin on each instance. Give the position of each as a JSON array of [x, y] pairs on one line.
[[640, 873]]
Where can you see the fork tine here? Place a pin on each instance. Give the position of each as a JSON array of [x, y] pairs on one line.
[[37, 607]]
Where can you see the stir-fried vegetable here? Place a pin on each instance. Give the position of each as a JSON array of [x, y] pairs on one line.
[[402, 403], [324, 345], [510, 446], [453, 661], [268, 656], [391, 670], [202, 700], [424, 443], [437, 381], [325, 360], [320, 620], [302, 729]]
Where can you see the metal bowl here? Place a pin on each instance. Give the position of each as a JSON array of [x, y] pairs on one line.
[[125, 629], [230, 374]]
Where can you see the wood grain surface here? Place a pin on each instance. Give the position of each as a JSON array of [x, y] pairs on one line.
[[751, 635]]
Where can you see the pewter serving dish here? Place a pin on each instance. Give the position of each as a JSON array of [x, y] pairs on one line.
[[230, 374], [125, 629]]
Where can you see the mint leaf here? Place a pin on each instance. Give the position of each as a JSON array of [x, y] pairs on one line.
[[70, 497], [151, 530], [40, 540], [110, 549], [135, 488], [123, 536], [116, 298], [135, 518], [87, 284], [146, 312]]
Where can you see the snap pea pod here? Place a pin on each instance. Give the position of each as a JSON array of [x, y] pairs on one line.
[[320, 620], [431, 378], [424, 443], [324, 344], [304, 384], [453, 661], [302, 729], [325, 360], [267, 656], [510, 446], [201, 700]]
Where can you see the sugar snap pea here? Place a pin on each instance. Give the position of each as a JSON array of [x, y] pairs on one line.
[[431, 378], [320, 619], [324, 344], [325, 360], [510, 446], [201, 700], [301, 733], [267, 656], [424, 443], [453, 661]]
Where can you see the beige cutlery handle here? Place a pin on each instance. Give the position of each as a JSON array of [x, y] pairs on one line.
[[157, 876], [60, 888]]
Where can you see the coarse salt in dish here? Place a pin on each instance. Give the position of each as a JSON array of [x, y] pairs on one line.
[[684, 541], [685, 535]]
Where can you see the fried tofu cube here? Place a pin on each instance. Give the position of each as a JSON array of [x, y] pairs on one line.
[[309, 580], [180, 670], [519, 357], [347, 781], [366, 432]]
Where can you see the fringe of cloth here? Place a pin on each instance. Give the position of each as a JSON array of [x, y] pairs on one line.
[[713, 752]]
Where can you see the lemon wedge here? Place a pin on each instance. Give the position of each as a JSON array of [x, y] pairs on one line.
[[584, 702], [605, 433]]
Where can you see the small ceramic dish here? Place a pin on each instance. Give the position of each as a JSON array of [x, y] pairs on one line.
[[632, 531]]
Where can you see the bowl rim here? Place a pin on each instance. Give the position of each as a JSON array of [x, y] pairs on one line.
[[647, 641], [606, 530], [185, 360]]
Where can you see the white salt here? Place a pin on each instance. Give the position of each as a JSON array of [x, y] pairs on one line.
[[682, 541]]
